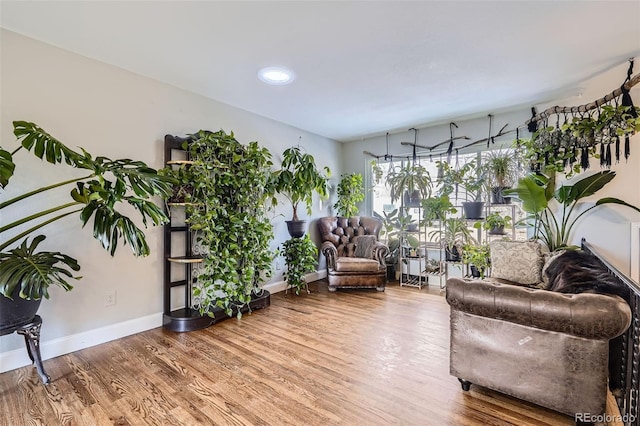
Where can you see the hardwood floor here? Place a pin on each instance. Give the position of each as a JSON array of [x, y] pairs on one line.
[[345, 358]]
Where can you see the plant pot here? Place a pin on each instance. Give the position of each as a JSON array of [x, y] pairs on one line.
[[452, 254], [391, 272], [498, 230], [497, 196], [475, 273], [473, 209], [297, 228], [412, 199], [17, 311]]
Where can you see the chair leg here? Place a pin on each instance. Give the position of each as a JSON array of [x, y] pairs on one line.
[[332, 289], [380, 288], [31, 333], [465, 385]]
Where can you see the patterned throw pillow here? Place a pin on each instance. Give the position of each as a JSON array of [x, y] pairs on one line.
[[364, 245], [517, 261]]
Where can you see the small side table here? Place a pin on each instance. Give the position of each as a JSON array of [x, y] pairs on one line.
[[31, 333]]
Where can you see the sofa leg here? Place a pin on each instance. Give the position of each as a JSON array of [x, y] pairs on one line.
[[332, 289], [380, 288], [465, 385]]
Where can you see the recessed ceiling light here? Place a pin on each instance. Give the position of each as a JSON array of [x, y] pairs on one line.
[[276, 75]]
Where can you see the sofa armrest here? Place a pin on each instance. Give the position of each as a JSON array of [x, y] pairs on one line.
[[330, 253], [588, 315], [380, 252]]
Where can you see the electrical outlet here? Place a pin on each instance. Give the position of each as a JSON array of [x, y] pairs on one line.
[[110, 298]]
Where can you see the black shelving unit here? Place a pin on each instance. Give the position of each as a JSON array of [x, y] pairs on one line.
[[187, 318]]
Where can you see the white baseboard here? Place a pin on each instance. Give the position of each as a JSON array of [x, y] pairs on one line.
[[17, 358], [11, 360], [279, 286]]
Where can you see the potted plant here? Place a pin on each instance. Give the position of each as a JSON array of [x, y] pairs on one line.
[[393, 224], [27, 272], [297, 180], [553, 227], [501, 168], [232, 184], [470, 179], [477, 256], [454, 235], [494, 223], [436, 208], [409, 182], [350, 192], [300, 256]]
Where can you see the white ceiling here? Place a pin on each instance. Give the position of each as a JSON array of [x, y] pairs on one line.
[[362, 67]]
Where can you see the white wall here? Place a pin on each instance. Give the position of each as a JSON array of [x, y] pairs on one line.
[[118, 114]]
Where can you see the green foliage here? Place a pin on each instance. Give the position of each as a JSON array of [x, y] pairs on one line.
[[377, 172], [107, 184], [557, 149], [478, 256], [350, 193], [467, 177], [554, 228], [436, 208], [301, 256], [231, 185], [494, 220], [501, 167], [454, 233], [299, 178], [408, 177], [35, 271]]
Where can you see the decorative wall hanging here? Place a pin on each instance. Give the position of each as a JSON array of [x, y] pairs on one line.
[[566, 143]]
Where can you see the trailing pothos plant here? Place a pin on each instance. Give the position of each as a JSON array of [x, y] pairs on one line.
[[97, 194], [300, 256], [350, 193], [227, 210], [553, 212]]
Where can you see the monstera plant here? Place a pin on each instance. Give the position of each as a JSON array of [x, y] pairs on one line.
[[95, 196]]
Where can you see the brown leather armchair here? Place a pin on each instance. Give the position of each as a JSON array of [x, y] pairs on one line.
[[545, 347], [355, 257]]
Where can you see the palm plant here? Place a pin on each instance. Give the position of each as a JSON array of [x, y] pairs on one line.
[[106, 185], [554, 228]]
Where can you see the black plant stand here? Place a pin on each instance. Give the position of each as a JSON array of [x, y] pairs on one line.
[[31, 333]]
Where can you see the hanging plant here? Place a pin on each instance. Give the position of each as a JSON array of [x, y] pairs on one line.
[[300, 256], [350, 192], [231, 185]]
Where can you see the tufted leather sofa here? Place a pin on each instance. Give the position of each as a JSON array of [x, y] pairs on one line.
[[353, 260], [541, 346]]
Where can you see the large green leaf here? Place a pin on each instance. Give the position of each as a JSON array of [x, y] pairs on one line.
[[532, 194], [585, 187], [46, 146], [612, 200], [34, 272], [7, 167]]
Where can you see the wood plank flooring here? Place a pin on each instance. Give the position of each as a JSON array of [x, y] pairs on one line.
[[345, 358]]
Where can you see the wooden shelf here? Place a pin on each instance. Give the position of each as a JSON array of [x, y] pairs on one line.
[[181, 204], [179, 162], [186, 259]]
